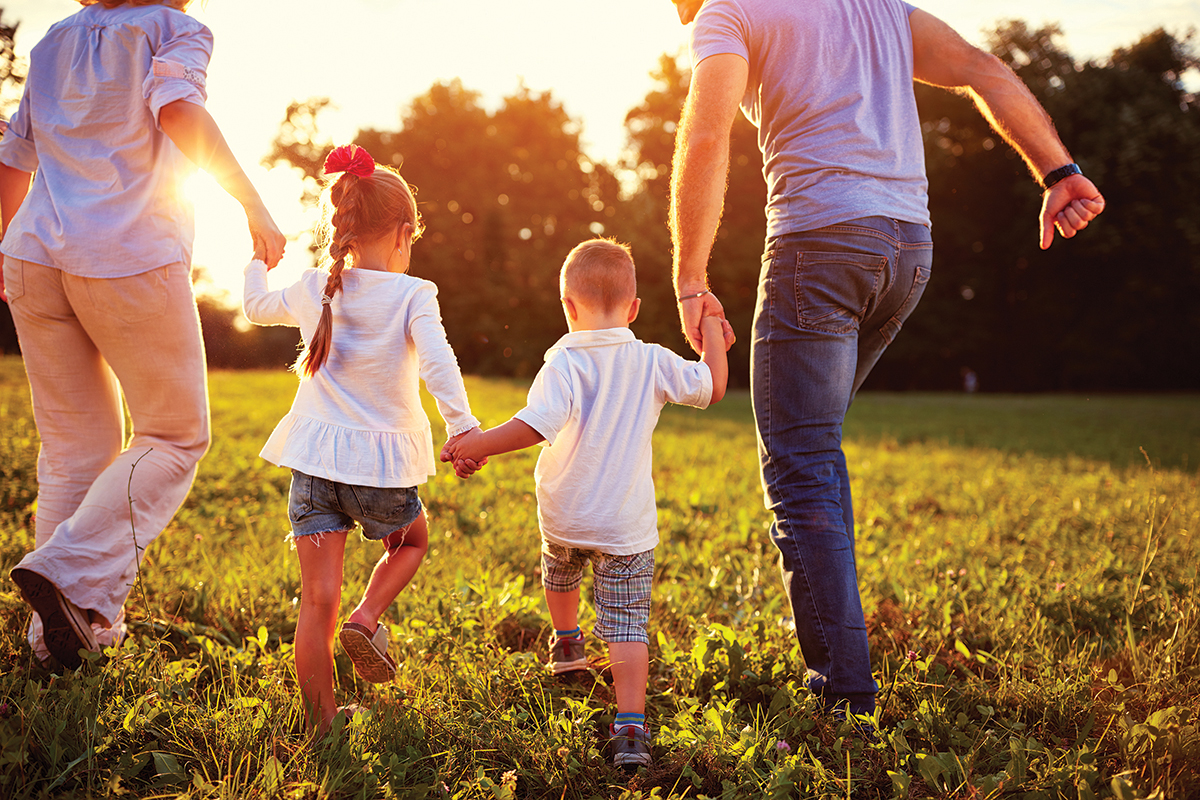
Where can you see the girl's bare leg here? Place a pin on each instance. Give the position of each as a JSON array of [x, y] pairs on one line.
[[403, 552], [321, 558]]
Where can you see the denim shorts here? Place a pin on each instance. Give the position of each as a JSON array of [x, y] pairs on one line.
[[621, 585], [319, 505]]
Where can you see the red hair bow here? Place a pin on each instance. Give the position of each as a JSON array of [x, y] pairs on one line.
[[350, 158]]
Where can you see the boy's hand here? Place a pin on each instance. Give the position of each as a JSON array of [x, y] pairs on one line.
[[727, 334], [456, 450], [465, 467], [726, 328]]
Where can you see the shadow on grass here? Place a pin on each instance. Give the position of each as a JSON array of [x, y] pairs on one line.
[[1108, 428]]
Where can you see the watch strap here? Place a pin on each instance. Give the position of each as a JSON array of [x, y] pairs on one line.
[[1057, 175]]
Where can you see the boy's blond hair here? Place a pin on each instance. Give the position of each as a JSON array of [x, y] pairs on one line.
[[600, 274]]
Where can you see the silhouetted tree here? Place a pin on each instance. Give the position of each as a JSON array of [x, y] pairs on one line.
[[507, 194], [12, 77]]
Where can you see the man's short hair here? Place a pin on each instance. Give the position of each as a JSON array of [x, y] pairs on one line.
[[599, 273]]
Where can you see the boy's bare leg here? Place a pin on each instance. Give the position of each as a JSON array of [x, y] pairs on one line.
[[631, 671], [403, 552], [320, 598], [564, 609]]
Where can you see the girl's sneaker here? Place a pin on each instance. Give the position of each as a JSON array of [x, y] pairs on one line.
[[566, 654], [630, 746], [368, 650]]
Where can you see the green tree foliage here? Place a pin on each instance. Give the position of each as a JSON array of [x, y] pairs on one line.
[[506, 194], [1109, 309], [12, 69], [738, 249], [12, 78]]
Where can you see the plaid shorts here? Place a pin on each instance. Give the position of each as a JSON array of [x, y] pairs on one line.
[[620, 587]]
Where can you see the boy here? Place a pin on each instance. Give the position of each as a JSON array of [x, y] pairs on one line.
[[595, 403]]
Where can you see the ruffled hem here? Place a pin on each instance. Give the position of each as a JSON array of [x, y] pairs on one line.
[[347, 455]]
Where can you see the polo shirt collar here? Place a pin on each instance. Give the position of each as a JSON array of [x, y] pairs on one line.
[[606, 337]]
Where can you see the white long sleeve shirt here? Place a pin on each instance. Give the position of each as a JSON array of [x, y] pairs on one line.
[[359, 420]]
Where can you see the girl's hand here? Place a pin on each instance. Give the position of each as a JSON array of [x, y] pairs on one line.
[[452, 451]]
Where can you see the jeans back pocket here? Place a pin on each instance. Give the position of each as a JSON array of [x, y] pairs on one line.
[[834, 289]]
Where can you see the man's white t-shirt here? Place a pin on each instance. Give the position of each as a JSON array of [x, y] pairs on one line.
[[596, 401]]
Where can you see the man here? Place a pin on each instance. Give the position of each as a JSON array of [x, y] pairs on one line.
[[829, 85]]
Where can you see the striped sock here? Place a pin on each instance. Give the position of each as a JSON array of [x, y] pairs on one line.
[[575, 634], [625, 719]]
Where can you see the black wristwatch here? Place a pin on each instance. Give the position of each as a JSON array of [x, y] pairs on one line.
[[1057, 175]]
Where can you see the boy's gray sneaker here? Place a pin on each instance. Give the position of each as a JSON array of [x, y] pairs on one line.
[[630, 746], [566, 654]]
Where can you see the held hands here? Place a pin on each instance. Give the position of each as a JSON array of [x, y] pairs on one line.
[[463, 450], [1069, 205], [269, 242], [692, 309]]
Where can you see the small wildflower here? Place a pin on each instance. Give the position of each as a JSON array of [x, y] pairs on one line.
[[962, 571], [782, 746], [912, 655], [5, 711], [1058, 587], [509, 780]]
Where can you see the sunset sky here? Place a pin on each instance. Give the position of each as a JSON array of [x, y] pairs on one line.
[[372, 57]]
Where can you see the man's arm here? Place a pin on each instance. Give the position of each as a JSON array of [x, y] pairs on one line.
[[698, 175], [195, 132], [14, 185], [943, 58]]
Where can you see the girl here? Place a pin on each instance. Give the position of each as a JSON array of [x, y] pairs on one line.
[[356, 438]]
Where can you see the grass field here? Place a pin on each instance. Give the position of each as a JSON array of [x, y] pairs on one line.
[[1028, 568]]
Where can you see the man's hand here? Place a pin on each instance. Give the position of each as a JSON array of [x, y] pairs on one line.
[[693, 309], [1069, 205]]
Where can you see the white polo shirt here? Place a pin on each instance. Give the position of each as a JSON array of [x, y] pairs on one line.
[[596, 401]]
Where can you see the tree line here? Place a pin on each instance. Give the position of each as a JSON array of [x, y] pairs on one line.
[[507, 193]]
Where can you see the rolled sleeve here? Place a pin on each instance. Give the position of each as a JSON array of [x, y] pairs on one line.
[[17, 149], [179, 70]]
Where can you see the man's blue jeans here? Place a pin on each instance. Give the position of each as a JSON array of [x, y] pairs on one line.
[[829, 302]]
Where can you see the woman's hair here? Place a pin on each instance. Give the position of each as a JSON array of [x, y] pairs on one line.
[[178, 5], [355, 209]]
